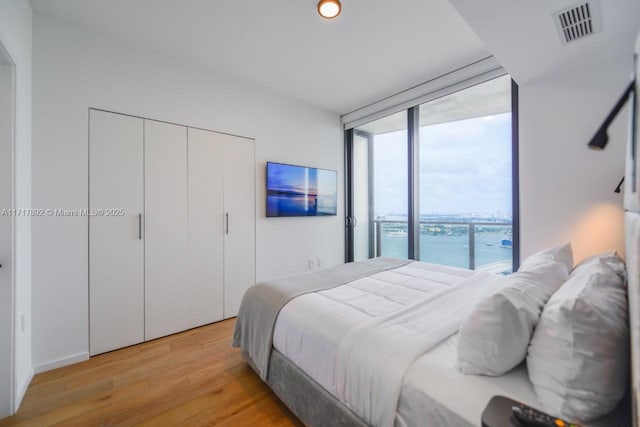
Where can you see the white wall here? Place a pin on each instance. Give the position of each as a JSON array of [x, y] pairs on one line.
[[566, 189], [15, 34], [75, 69]]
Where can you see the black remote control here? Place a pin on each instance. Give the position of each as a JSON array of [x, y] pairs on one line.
[[532, 417]]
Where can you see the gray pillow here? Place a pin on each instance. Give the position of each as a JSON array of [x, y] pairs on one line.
[[494, 338], [578, 359]]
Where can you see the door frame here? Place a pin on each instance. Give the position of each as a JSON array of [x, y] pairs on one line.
[[7, 61]]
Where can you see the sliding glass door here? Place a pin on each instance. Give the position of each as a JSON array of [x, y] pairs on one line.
[[436, 182], [363, 238], [379, 192]]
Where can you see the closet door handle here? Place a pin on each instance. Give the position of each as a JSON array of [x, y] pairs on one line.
[[226, 217], [139, 226]]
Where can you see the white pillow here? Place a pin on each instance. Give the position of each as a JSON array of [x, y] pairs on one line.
[[562, 254], [578, 358], [610, 259], [494, 338]]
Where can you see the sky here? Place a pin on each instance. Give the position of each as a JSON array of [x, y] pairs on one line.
[[465, 167]]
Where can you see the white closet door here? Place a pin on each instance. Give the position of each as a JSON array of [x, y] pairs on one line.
[[239, 207], [166, 298], [116, 251], [205, 290]]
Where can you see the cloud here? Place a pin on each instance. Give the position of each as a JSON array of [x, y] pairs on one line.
[[465, 166]]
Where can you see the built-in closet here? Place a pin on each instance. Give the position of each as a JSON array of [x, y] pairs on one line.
[[171, 228]]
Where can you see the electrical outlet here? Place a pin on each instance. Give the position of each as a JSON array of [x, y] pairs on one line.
[[320, 262], [312, 263]]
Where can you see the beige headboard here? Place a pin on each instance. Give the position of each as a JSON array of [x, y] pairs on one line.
[[632, 243]]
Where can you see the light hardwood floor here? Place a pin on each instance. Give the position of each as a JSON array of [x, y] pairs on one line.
[[194, 378]]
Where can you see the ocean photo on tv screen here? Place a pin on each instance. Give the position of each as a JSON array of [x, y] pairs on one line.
[[300, 191]]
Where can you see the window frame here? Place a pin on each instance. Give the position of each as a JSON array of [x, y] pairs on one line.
[[413, 187]]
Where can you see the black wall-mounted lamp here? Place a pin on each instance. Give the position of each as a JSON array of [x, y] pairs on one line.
[[600, 139], [619, 187]]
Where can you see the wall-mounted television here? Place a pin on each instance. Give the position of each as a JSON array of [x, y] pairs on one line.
[[301, 191]]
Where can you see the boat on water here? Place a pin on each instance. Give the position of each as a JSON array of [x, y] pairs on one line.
[[399, 233], [507, 241]]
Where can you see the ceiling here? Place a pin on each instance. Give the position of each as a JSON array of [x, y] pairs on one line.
[[482, 100], [523, 38], [374, 49]]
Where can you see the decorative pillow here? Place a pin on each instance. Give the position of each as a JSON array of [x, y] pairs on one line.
[[610, 259], [495, 336], [562, 254], [578, 358]]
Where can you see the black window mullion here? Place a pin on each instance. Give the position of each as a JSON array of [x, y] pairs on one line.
[[515, 176], [413, 158], [349, 241]]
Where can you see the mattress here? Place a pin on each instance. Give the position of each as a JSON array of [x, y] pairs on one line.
[[309, 328]]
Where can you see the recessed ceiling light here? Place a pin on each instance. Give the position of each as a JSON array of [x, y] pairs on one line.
[[329, 8]]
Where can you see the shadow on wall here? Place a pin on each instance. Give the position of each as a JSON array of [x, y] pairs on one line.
[[600, 229]]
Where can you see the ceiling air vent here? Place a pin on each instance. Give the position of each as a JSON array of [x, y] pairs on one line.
[[578, 21]]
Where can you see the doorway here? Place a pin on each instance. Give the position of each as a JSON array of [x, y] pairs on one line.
[[7, 220]]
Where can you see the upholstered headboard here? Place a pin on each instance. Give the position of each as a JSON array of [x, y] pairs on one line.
[[632, 243], [632, 223]]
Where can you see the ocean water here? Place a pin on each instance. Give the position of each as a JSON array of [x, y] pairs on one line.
[[451, 250]]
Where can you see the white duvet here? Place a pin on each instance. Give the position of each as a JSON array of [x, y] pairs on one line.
[[358, 340], [370, 381]]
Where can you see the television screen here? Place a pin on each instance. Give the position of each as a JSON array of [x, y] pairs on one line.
[[301, 191]]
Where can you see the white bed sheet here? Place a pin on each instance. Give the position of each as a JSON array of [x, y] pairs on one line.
[[309, 329], [435, 393]]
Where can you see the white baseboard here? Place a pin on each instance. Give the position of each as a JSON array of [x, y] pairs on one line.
[[64, 361], [21, 389]]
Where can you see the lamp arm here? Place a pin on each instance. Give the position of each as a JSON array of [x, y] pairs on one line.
[[600, 139], [612, 115]]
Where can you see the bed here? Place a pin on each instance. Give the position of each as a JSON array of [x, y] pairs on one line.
[[306, 335], [318, 320], [433, 391]]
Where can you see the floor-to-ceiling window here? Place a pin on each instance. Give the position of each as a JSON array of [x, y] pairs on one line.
[[455, 206]]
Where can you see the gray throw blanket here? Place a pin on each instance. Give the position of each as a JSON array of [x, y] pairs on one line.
[[262, 302]]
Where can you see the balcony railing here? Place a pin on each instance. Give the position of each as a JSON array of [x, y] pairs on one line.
[[394, 228]]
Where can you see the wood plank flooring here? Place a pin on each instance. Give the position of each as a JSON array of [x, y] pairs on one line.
[[194, 378]]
